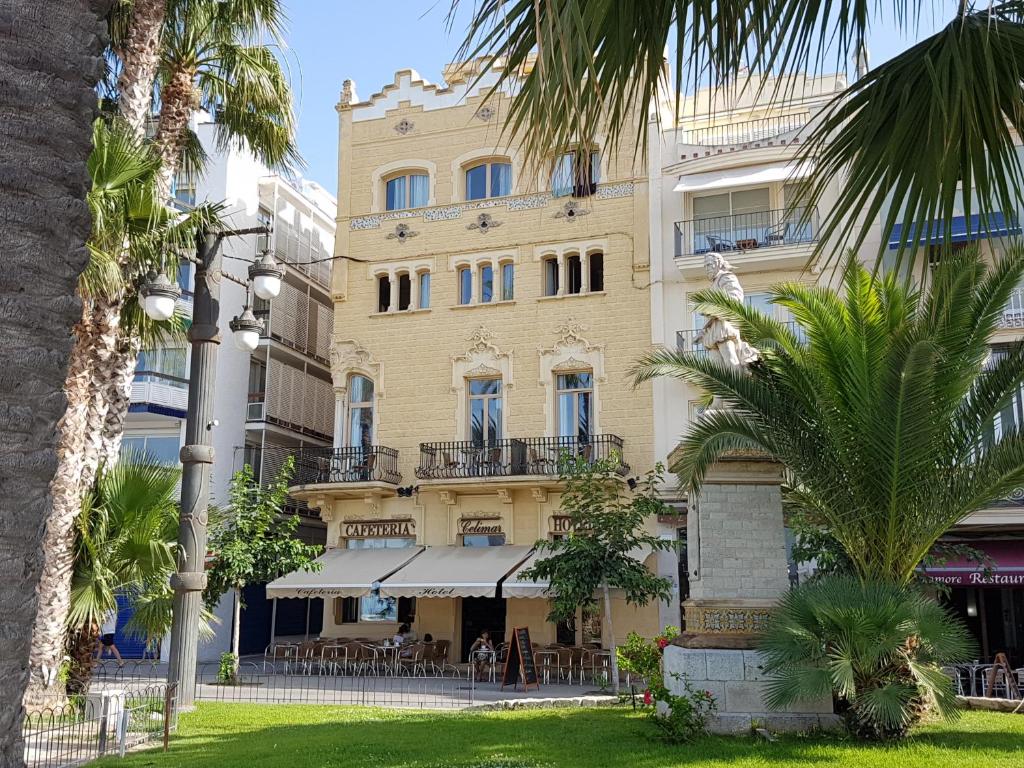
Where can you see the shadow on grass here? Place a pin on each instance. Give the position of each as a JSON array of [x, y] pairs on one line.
[[293, 736]]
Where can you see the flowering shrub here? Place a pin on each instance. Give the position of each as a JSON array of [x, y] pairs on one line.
[[680, 718]]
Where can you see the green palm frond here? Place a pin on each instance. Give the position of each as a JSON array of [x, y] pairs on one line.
[[880, 408]]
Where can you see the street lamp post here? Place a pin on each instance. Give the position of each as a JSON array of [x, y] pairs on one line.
[[196, 457]]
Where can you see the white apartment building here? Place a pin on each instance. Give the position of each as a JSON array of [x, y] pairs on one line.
[[270, 401], [721, 180]]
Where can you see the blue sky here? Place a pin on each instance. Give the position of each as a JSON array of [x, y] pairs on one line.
[[331, 40]]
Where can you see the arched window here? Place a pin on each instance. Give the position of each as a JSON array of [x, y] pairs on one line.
[[407, 190], [489, 179], [360, 411]]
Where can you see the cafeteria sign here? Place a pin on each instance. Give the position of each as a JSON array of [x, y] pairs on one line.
[[379, 529]]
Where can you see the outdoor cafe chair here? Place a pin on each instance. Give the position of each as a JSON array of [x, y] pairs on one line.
[[414, 662], [547, 662], [333, 658], [305, 653], [596, 662], [281, 653]]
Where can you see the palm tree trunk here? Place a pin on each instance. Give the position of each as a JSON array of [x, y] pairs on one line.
[[140, 58], [178, 101], [611, 638], [117, 397], [50, 60]]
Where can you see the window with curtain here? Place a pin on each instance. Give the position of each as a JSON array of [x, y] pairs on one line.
[[486, 283], [424, 292], [742, 214], [484, 411], [551, 276], [465, 285], [360, 411], [162, 449], [410, 190], [492, 179], [163, 364], [575, 403], [576, 173], [508, 276]]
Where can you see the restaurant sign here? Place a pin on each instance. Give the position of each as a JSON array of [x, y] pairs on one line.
[[977, 578], [378, 529], [487, 525]]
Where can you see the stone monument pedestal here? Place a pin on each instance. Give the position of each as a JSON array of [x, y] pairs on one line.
[[736, 558]]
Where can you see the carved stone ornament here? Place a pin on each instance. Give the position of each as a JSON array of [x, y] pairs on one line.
[[401, 233], [486, 113], [404, 126], [571, 210], [349, 356], [448, 497], [484, 223]]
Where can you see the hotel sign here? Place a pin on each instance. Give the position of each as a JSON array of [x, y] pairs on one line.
[[561, 524], [487, 525], [378, 529]]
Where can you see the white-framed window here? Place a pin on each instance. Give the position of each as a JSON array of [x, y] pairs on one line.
[[492, 178], [160, 449], [576, 173], [423, 296], [409, 189], [574, 403], [731, 219], [183, 188], [383, 293], [404, 291], [486, 284], [508, 279], [485, 410], [550, 266], [359, 427], [572, 272], [465, 277]]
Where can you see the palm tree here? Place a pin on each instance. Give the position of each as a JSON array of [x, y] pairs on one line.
[[125, 542], [912, 137], [132, 233], [135, 28], [50, 60], [878, 411]]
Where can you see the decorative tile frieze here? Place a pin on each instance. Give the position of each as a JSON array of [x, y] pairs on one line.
[[528, 202], [365, 222], [726, 620], [443, 214], [615, 190]]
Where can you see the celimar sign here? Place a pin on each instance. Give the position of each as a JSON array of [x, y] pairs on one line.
[[378, 529], [478, 524]]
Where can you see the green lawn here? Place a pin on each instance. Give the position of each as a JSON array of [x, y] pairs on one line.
[[294, 736]]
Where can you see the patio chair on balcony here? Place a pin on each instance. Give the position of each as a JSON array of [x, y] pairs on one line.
[[720, 244], [539, 465], [493, 462], [450, 465], [364, 469]]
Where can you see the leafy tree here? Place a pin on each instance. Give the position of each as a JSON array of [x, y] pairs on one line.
[[255, 542], [908, 137], [125, 542], [600, 552], [879, 647], [878, 410]]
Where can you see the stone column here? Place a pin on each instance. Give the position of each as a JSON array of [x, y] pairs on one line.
[[414, 290], [393, 286], [561, 274]]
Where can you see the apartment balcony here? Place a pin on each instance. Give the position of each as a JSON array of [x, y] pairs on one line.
[[688, 341], [528, 460], [776, 239], [746, 131], [340, 473], [160, 393], [1013, 312]]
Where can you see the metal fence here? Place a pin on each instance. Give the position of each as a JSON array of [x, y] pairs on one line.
[[746, 231], [515, 456], [283, 683], [104, 721], [747, 130]]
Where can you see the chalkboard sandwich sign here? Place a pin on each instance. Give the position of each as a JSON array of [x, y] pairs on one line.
[[520, 664]]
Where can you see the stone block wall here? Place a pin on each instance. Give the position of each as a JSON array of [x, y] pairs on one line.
[[742, 542], [737, 681]]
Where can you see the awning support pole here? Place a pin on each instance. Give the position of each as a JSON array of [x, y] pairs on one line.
[[308, 601], [273, 622]]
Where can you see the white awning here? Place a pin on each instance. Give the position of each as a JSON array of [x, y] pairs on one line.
[[455, 572], [741, 177], [518, 585], [345, 573]]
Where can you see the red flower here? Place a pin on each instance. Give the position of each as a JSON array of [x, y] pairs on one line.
[[662, 643], [648, 699]]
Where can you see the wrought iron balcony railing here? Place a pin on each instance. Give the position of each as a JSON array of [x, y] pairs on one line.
[[688, 341], [346, 465], [746, 231], [515, 456], [745, 131]]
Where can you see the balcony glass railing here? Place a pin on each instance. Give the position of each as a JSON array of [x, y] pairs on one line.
[[746, 231], [516, 456], [372, 463], [746, 130]]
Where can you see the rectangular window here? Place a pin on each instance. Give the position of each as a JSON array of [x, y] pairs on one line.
[[486, 283], [375, 607], [158, 449], [483, 539], [424, 295], [419, 190], [574, 274], [575, 392], [508, 276], [383, 293], [396, 195], [484, 411], [731, 219], [476, 183], [407, 191], [595, 264], [501, 179], [488, 180], [404, 291], [465, 285], [551, 276], [576, 173]]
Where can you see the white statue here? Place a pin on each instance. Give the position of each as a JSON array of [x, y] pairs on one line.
[[720, 337]]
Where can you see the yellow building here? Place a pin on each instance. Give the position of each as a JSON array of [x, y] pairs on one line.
[[486, 317]]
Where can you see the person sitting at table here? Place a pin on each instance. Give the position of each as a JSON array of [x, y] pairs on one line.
[[481, 652], [428, 638]]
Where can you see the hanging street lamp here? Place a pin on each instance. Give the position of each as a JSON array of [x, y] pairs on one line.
[[266, 276], [246, 329], [159, 296]]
